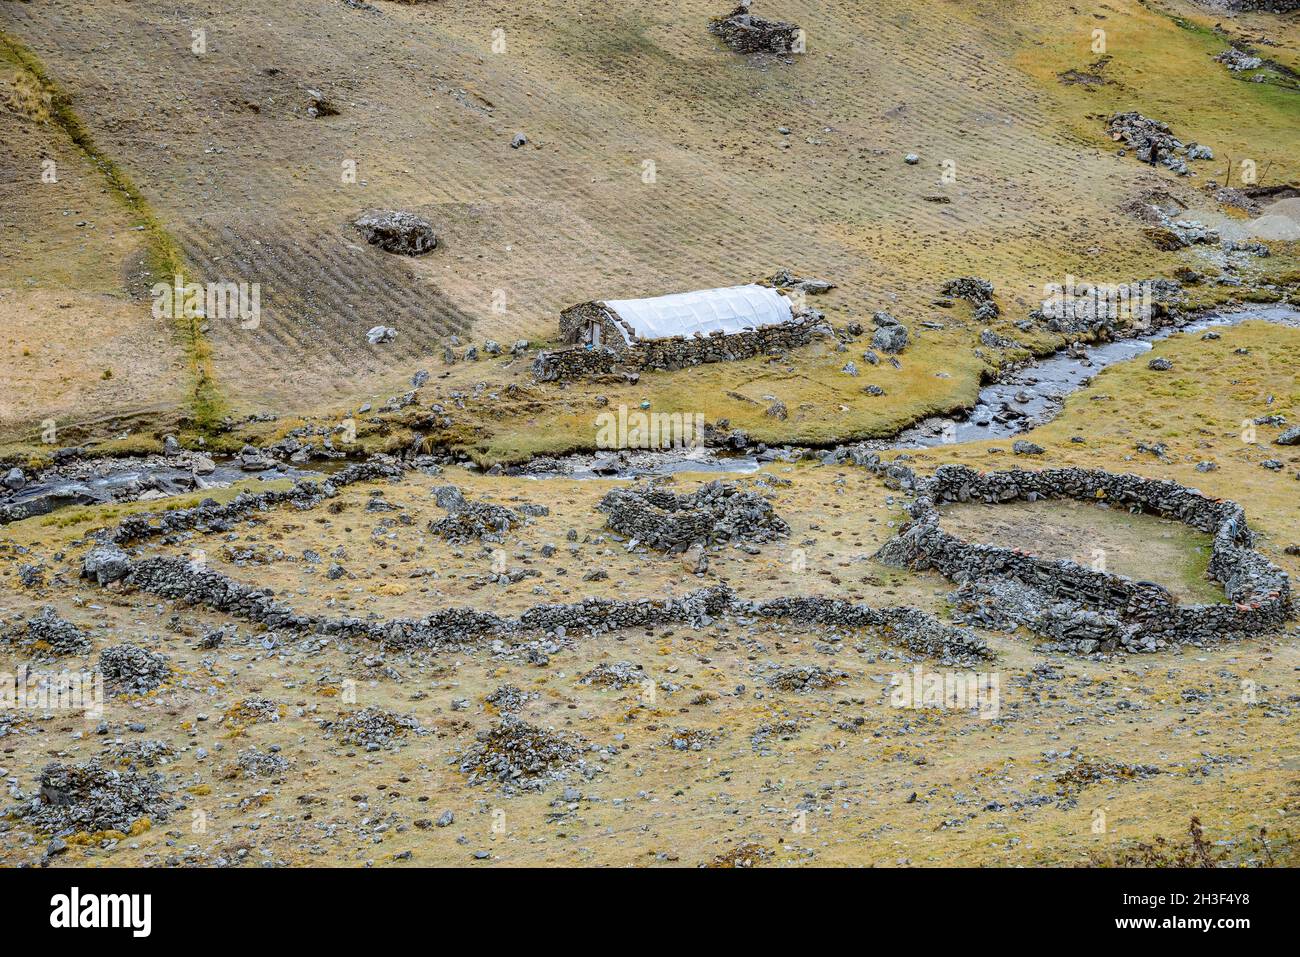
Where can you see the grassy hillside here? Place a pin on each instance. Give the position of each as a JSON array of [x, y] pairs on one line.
[[222, 149]]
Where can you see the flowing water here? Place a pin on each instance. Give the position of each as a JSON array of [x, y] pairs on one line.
[[1024, 399]]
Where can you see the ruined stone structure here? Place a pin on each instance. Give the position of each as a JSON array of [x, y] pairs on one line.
[[1134, 615], [210, 516], [1258, 6], [716, 512], [746, 33]]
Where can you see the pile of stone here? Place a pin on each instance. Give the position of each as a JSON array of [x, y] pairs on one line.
[[784, 279], [1180, 233], [254, 763], [507, 699], [46, 635], [806, 678], [890, 335], [1143, 135], [252, 711], [978, 292], [397, 232], [1146, 616], [1238, 60], [372, 728], [1084, 772], [746, 33], [520, 755], [713, 513], [130, 669], [784, 729], [471, 521], [690, 739], [90, 799], [141, 754], [617, 675]]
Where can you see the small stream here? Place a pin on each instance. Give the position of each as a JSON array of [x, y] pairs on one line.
[[1021, 401], [1034, 395]]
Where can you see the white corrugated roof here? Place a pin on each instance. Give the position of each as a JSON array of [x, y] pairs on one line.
[[733, 309]]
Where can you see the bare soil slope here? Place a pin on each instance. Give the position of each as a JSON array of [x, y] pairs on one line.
[[655, 162]]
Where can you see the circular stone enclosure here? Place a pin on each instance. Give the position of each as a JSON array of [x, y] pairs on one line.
[[1259, 592]]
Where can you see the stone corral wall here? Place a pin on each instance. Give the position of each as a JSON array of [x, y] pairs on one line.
[[209, 516], [679, 352], [716, 512], [1265, 6], [1148, 617], [449, 628]]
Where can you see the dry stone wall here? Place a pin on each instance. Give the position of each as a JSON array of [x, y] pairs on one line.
[[1146, 616], [678, 352], [447, 628]]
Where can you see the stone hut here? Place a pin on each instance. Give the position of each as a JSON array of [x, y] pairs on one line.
[[617, 323], [676, 331]]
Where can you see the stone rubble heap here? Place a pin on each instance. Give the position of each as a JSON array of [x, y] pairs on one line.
[[372, 728], [746, 33], [1084, 609], [978, 292], [91, 799], [1141, 133], [716, 512], [254, 763], [130, 669], [46, 634], [616, 675], [471, 521], [399, 232], [806, 678], [520, 755]]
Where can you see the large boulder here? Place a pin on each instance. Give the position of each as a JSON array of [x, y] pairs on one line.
[[398, 232], [890, 335], [105, 564]]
